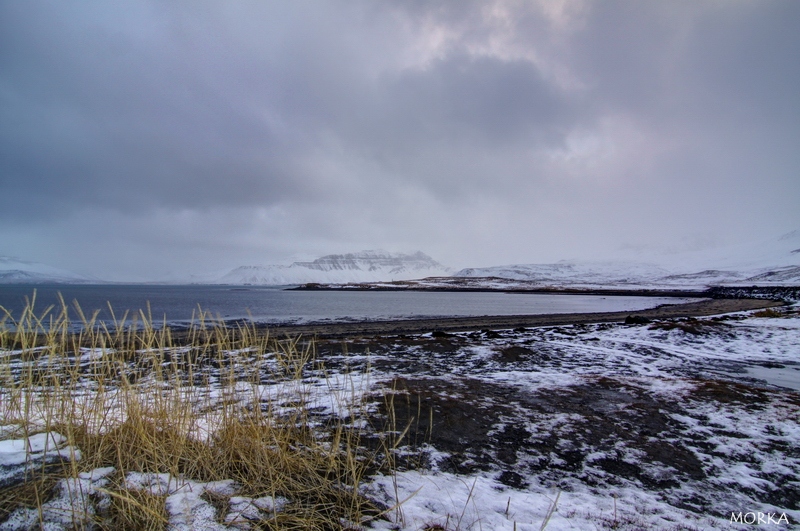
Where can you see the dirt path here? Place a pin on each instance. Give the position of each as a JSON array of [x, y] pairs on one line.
[[465, 324]]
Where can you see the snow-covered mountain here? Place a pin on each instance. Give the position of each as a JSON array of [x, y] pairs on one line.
[[365, 266], [13, 271], [766, 262], [572, 273]]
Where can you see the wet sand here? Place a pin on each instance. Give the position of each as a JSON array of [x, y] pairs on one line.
[[465, 324]]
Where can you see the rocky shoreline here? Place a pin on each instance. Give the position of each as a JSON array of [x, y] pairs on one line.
[[699, 308], [470, 286]]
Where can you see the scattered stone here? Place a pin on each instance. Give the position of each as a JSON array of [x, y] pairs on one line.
[[636, 320]]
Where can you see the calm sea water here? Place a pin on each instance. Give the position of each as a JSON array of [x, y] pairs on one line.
[[178, 304]]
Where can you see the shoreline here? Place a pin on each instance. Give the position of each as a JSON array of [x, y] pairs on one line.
[[703, 308], [512, 288]]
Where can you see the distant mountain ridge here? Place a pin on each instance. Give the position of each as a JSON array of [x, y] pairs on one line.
[[767, 262], [629, 274], [364, 266], [14, 271], [566, 273], [774, 261]]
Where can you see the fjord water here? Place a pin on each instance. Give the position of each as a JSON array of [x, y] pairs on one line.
[[179, 304]]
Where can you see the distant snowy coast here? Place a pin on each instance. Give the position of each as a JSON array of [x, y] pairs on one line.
[[771, 262]]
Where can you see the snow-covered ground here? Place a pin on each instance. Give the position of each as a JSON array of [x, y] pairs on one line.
[[671, 425], [627, 427]]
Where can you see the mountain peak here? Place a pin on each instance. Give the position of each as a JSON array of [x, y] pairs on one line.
[[362, 266]]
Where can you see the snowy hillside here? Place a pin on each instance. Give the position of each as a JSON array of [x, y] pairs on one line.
[[769, 262], [13, 271], [572, 273], [366, 266]]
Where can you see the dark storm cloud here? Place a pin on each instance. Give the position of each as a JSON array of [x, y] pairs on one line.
[[481, 132], [480, 100], [434, 125], [93, 114], [191, 114]]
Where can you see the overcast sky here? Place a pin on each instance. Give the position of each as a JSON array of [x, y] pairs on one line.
[[147, 139]]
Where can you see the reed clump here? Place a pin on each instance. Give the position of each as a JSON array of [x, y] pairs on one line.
[[142, 430], [768, 313]]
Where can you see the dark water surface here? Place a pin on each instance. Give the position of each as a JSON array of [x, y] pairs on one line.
[[270, 304]]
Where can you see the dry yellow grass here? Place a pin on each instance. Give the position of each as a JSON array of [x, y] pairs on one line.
[[222, 405]]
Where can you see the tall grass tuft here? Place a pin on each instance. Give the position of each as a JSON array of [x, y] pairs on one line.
[[134, 400]]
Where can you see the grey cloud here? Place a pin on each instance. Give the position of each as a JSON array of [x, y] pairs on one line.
[[452, 125], [690, 60], [742, 63], [93, 118], [478, 99], [336, 126], [174, 116]]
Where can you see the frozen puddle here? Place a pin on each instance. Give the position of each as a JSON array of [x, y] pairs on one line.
[[788, 377]]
